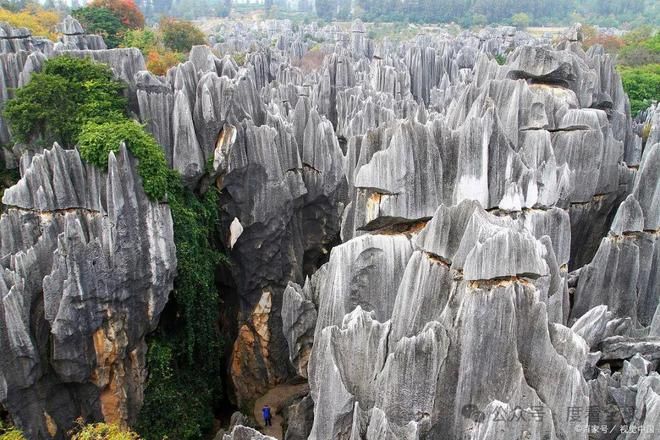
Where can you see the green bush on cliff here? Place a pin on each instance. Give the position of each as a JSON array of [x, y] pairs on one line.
[[59, 100], [642, 84], [184, 357], [97, 140]]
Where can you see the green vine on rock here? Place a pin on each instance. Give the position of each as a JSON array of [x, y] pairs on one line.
[[195, 219], [184, 356]]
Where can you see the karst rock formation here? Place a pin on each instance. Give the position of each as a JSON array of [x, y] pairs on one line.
[[443, 246]]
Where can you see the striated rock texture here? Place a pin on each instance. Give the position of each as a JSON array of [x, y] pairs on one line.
[[87, 266], [21, 54], [624, 272], [282, 181], [245, 433], [427, 332], [401, 219], [73, 37], [448, 310]]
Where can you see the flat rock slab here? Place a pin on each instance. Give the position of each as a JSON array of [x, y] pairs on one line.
[[621, 347]]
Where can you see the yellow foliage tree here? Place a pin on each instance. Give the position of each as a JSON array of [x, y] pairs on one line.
[[102, 431], [10, 433], [40, 21]]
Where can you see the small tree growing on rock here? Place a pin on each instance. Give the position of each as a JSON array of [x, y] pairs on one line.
[[101, 21], [180, 35], [59, 100]]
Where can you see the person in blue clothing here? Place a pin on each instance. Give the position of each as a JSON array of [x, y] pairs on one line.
[[265, 411]]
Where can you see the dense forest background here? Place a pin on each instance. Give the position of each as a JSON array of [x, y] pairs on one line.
[[609, 13], [480, 12]]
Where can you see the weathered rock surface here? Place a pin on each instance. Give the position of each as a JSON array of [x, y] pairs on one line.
[[21, 54], [74, 37], [88, 263], [401, 220], [445, 311], [413, 362], [245, 433], [624, 272]]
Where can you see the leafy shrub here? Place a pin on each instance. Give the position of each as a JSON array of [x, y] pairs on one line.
[[98, 139], [58, 101], [40, 21], [195, 293], [178, 400], [642, 84], [653, 43], [101, 21], [184, 360], [102, 431], [180, 35], [159, 60], [10, 433], [143, 39], [642, 46]]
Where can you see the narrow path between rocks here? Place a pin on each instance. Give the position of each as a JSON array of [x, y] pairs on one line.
[[276, 398]]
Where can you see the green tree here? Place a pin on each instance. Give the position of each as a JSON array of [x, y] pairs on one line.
[[178, 401], [143, 39], [101, 21], [520, 20], [180, 35], [97, 139], [642, 46], [126, 10], [59, 100], [642, 84]]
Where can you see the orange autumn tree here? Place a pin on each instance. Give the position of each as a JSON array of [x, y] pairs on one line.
[[159, 60], [127, 11]]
